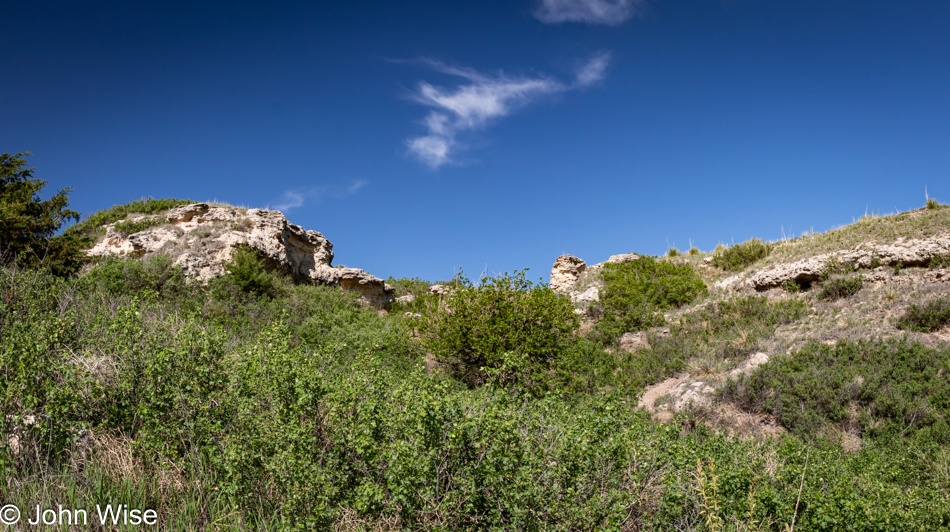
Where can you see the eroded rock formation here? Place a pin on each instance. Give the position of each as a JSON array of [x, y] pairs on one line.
[[201, 237], [903, 252]]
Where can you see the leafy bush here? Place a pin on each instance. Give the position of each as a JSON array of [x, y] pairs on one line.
[[409, 286], [838, 287], [939, 261], [246, 271], [299, 411], [738, 256], [931, 316], [480, 326], [878, 388], [637, 292], [129, 227], [130, 275], [164, 381], [415, 287]]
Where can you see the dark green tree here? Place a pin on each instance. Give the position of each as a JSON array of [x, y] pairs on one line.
[[27, 222]]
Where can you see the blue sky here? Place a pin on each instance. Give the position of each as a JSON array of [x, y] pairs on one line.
[[423, 136]]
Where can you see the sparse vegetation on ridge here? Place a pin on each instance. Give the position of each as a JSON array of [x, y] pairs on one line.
[[920, 223], [92, 225]]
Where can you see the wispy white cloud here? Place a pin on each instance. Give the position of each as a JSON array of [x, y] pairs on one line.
[[480, 100], [608, 12], [291, 199], [594, 70]]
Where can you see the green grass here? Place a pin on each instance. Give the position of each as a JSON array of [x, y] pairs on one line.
[[129, 227], [927, 317], [737, 257]]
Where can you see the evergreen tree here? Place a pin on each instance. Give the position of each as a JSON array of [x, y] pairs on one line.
[[27, 222]]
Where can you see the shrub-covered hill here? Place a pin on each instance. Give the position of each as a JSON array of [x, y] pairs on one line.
[[254, 402]]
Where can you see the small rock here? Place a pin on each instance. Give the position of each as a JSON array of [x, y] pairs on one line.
[[623, 257], [588, 296], [439, 290]]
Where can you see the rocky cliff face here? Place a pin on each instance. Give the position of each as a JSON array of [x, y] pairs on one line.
[[201, 237]]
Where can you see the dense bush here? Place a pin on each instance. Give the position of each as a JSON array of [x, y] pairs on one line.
[[930, 316], [636, 293], [878, 389], [737, 256], [504, 321], [306, 411], [247, 272], [116, 276], [840, 286]]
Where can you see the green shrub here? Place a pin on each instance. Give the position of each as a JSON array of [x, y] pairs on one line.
[[166, 378], [881, 389], [415, 287], [939, 261], [636, 293], [482, 326], [297, 412], [131, 275], [838, 287], [247, 272], [931, 316], [129, 227], [738, 256]]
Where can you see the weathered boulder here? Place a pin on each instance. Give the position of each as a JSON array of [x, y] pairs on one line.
[[623, 258], [201, 237], [439, 290], [565, 272]]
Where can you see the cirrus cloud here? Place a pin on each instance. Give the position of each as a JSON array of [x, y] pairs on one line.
[[607, 12], [481, 99]]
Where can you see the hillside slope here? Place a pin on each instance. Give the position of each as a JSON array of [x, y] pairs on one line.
[[856, 283]]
